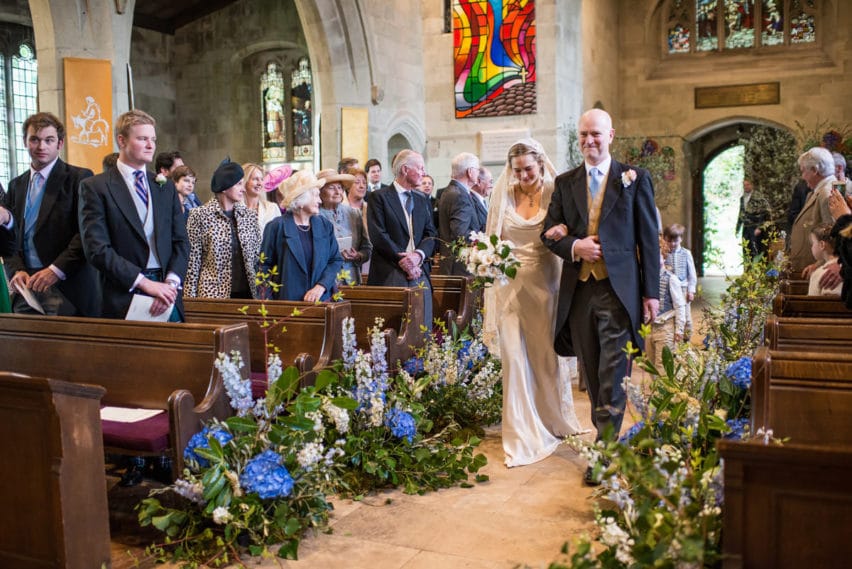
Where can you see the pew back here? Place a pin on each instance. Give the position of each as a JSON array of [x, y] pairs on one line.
[[809, 334], [809, 306], [786, 507], [312, 340], [794, 286], [54, 515], [453, 300], [806, 396], [401, 308]]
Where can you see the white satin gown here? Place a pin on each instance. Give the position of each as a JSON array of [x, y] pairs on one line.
[[538, 405]]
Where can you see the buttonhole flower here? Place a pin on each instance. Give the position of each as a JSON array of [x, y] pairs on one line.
[[628, 177]]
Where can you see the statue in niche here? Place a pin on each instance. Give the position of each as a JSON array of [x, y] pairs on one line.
[[301, 87], [272, 88]]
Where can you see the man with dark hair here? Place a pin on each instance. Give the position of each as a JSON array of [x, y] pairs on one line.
[[132, 226], [165, 164], [109, 161], [374, 177], [345, 164], [48, 256]]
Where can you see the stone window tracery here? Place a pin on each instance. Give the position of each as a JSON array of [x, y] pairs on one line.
[[696, 26], [18, 96], [286, 92]]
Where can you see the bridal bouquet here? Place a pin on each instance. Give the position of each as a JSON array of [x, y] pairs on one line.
[[487, 258]]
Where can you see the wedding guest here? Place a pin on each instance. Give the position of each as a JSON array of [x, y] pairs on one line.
[[817, 169], [679, 260], [347, 163], [273, 181], [457, 215], [109, 161], [165, 165], [356, 192], [841, 208], [355, 247], [822, 247], [255, 197], [668, 328], [7, 234], [224, 240], [184, 179], [427, 187], [301, 244]]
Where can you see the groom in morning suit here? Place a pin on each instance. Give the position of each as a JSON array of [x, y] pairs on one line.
[[48, 256], [132, 226], [602, 221], [399, 222]]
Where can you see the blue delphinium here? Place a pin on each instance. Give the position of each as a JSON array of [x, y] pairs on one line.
[[266, 476], [773, 272], [631, 432], [738, 428], [413, 365], [201, 439], [401, 423], [739, 372]]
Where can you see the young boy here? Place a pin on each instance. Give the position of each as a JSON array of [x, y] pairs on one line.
[[668, 328], [679, 261]]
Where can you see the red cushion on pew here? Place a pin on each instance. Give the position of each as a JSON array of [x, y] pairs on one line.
[[149, 435], [258, 384]]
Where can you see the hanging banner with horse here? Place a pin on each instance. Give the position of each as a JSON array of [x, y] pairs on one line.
[[88, 111]]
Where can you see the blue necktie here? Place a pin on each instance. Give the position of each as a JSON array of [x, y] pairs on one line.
[[33, 202], [139, 185], [594, 182], [409, 203]]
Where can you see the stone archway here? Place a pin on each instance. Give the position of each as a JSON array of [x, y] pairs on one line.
[[700, 147]]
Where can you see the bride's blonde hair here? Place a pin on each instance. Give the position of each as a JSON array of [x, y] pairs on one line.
[[522, 149]]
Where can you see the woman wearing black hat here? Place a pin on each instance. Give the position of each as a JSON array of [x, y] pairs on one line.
[[224, 238]]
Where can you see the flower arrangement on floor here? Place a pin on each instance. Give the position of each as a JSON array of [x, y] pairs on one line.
[[257, 479], [661, 482], [461, 379], [390, 439], [487, 258]]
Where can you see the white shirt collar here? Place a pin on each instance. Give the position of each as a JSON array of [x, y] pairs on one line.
[[603, 166], [45, 172]]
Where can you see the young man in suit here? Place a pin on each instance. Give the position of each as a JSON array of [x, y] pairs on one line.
[[602, 221], [399, 222], [48, 255], [132, 226], [457, 211]]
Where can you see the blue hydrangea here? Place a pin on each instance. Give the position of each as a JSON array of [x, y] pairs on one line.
[[631, 432], [739, 372], [401, 423], [201, 439], [772, 273], [737, 428], [267, 477], [413, 365]]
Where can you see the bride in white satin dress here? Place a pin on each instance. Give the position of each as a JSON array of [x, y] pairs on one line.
[[538, 406]]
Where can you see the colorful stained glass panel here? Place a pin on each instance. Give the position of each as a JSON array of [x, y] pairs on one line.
[[706, 19], [739, 24], [772, 30], [494, 57]]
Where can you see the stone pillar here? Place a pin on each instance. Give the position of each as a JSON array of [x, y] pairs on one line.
[[95, 29]]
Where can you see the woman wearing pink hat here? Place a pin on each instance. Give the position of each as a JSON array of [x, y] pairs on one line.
[[256, 194], [301, 244]]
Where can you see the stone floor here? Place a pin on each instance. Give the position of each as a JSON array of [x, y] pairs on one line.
[[520, 516]]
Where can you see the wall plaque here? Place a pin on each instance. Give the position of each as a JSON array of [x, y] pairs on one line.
[[495, 144], [738, 95]]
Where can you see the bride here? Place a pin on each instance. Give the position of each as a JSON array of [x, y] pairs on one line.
[[538, 406]]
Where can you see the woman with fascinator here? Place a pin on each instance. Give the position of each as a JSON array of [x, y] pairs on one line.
[[538, 406], [301, 244], [256, 187]]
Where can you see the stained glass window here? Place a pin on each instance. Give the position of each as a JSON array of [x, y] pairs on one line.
[[728, 25], [272, 101], [494, 57], [301, 86], [18, 97]]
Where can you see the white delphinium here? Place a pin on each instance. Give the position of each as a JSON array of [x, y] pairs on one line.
[[441, 362], [339, 416], [349, 343], [221, 515], [331, 454], [192, 491], [620, 496], [371, 399], [309, 455], [379, 353], [636, 396], [238, 389], [274, 367], [316, 417], [612, 535], [482, 383]]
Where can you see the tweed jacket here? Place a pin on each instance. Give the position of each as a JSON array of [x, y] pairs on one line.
[[815, 212], [208, 274]]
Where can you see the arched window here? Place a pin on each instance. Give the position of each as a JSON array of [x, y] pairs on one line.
[[287, 128], [695, 26], [18, 96]]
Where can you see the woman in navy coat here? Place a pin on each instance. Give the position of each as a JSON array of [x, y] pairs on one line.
[[301, 244]]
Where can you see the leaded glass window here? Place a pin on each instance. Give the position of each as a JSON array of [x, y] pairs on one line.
[[18, 96], [301, 85], [286, 91], [693, 26]]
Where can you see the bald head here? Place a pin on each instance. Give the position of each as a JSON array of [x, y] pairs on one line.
[[595, 134]]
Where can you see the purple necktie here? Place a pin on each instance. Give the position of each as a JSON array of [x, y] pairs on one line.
[[141, 191]]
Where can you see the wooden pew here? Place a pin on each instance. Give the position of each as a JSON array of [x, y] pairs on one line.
[[145, 365], [806, 396], [453, 300], [402, 309], [313, 340], [794, 286], [53, 492], [786, 507], [809, 306], [809, 334]]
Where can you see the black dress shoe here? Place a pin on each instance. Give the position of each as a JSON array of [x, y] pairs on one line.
[[589, 478]]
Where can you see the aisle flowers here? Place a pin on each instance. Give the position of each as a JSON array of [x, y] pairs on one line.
[[487, 258], [661, 483]]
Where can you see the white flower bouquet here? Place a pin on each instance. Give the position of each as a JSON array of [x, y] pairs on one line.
[[487, 258]]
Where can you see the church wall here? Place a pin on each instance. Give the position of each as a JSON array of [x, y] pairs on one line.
[[600, 46], [16, 12], [152, 62], [559, 88], [814, 86]]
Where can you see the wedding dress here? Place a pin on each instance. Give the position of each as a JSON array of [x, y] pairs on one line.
[[538, 406]]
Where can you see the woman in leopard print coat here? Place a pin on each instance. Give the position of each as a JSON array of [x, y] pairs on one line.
[[224, 238]]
